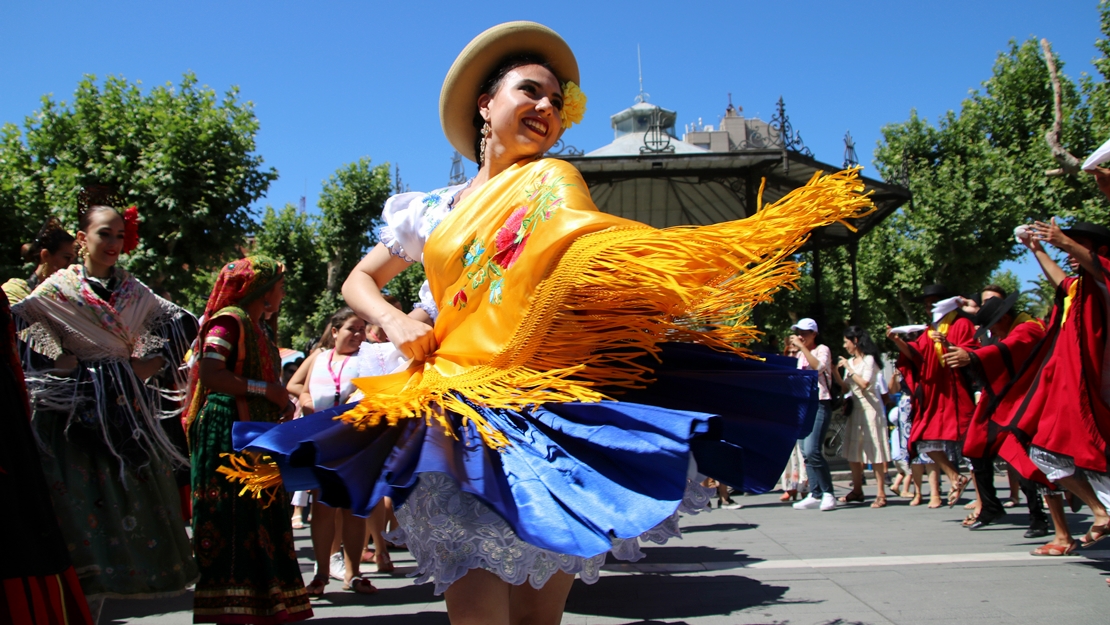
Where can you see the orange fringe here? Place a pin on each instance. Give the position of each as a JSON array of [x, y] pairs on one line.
[[258, 474]]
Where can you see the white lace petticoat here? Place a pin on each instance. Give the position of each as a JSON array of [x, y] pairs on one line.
[[449, 532]]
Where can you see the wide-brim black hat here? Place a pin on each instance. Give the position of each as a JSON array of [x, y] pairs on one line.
[[933, 290], [992, 311], [1100, 235]]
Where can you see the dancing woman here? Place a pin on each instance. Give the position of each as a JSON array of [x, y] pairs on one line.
[[866, 440], [106, 457], [511, 468], [244, 547]]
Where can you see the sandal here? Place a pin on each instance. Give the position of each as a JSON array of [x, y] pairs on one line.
[[853, 496], [971, 518], [1055, 550], [361, 586], [385, 564], [916, 501], [1095, 534], [935, 503], [298, 524], [315, 588], [880, 502], [957, 490], [969, 505]]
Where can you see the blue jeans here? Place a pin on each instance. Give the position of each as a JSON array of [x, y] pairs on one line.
[[820, 478]]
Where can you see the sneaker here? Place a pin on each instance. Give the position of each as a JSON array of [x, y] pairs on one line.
[[732, 505], [336, 568], [809, 503], [828, 502]]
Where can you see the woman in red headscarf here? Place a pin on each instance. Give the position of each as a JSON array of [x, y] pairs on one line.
[[243, 547]]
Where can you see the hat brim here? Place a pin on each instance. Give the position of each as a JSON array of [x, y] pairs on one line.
[[987, 324], [458, 99], [1098, 238]]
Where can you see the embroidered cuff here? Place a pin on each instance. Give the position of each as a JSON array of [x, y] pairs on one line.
[[387, 238]]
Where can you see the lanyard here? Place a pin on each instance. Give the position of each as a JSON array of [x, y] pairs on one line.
[[335, 377]]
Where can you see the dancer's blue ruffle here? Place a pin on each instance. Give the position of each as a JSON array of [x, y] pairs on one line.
[[575, 475]]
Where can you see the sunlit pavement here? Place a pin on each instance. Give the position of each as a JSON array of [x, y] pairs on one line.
[[768, 563]]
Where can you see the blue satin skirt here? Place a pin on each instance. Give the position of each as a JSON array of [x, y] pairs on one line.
[[575, 475]]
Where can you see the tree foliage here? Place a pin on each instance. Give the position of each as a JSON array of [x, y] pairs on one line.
[[184, 156], [291, 236]]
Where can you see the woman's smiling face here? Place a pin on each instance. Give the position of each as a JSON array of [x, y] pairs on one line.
[[523, 114], [103, 238]]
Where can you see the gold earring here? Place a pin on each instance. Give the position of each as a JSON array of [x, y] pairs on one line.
[[81, 251], [486, 130]]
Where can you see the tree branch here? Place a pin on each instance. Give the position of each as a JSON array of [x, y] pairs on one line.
[[1069, 164]]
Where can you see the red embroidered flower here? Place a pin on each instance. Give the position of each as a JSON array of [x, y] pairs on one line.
[[511, 239], [459, 300], [130, 229]]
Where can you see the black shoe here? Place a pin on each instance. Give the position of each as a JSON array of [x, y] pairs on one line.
[[1037, 529], [984, 519]]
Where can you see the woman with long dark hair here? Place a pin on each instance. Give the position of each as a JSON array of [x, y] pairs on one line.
[[865, 437]]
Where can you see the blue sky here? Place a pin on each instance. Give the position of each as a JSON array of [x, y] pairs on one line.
[[334, 81]]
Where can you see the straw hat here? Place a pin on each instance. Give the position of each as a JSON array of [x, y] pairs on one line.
[[458, 100]]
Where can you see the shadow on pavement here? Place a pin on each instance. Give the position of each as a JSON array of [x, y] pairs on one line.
[[668, 596], [119, 611], [688, 555], [719, 527], [420, 618]]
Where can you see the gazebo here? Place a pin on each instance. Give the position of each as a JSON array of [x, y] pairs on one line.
[[713, 174]]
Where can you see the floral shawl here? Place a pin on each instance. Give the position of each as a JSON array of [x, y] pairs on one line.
[[543, 298]]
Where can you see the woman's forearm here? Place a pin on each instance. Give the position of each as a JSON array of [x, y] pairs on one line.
[[1051, 270]]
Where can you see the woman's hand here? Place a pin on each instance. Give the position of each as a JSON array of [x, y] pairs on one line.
[[414, 338], [277, 394], [146, 367], [842, 363]]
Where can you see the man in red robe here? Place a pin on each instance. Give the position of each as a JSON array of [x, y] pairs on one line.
[[1064, 419], [942, 398], [1006, 368]]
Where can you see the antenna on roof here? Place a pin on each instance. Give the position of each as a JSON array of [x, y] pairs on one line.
[[643, 97], [458, 174]]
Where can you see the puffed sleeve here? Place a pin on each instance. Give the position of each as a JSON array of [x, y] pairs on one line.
[[427, 303], [401, 233]]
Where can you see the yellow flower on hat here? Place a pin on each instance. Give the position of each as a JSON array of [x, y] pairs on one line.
[[574, 105]]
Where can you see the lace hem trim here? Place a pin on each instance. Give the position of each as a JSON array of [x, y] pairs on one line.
[[388, 239], [449, 532]]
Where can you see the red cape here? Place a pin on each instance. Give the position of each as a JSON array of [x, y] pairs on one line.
[[942, 398], [1007, 369], [1064, 411]]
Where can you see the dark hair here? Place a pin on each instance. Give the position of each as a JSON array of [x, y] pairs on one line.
[[93, 199], [994, 288], [340, 317], [863, 341], [51, 237], [493, 82]]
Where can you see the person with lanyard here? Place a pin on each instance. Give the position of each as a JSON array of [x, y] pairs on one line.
[[96, 340], [248, 565], [501, 428], [330, 373], [1006, 366], [942, 397], [1063, 421]]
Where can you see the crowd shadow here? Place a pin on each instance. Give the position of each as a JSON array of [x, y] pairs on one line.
[[420, 618], [653, 597], [119, 611], [719, 527]]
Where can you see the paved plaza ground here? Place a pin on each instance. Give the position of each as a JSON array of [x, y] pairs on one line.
[[767, 563]]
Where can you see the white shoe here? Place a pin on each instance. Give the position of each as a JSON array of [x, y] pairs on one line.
[[828, 502], [732, 506], [809, 503], [336, 567]]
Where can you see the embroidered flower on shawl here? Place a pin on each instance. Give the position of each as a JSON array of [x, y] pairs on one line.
[[495, 291], [574, 105], [477, 278], [511, 238], [459, 301], [472, 253]]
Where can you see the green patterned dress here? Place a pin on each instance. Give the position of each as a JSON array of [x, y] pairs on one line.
[[248, 566]]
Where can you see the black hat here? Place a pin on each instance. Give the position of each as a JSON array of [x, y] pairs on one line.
[[1099, 234], [992, 311], [933, 290]]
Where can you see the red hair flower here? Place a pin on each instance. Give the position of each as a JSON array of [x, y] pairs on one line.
[[130, 229]]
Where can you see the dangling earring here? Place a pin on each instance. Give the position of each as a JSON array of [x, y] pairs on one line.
[[486, 130], [81, 252]]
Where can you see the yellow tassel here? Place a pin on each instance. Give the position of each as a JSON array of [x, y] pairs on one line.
[[258, 474]]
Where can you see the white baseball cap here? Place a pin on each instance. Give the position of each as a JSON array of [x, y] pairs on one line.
[[806, 324]]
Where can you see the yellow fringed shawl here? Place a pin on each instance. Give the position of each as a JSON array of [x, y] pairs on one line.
[[542, 298]]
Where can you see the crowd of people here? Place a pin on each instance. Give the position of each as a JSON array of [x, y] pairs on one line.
[[984, 382], [477, 429]]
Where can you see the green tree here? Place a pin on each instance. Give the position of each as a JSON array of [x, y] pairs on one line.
[[184, 156], [290, 236]]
